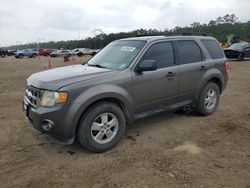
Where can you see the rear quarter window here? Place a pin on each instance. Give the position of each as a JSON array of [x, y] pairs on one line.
[[213, 49]]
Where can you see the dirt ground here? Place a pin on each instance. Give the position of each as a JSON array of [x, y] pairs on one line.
[[167, 150]]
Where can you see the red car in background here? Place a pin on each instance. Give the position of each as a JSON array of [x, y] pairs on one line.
[[45, 52]]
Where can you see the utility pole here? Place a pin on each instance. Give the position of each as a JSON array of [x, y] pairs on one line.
[[98, 32], [78, 35]]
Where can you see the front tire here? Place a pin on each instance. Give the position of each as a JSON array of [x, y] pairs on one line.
[[208, 100], [80, 54], [102, 127]]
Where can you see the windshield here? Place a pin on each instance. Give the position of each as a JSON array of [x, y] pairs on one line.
[[238, 46], [117, 55]]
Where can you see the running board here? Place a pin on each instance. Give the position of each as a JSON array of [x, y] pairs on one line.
[[164, 109]]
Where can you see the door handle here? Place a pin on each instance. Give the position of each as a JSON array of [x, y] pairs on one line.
[[203, 67], [170, 74]]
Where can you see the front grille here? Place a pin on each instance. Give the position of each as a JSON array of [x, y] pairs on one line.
[[32, 95]]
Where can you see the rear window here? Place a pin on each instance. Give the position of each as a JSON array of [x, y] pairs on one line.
[[213, 49], [188, 52]]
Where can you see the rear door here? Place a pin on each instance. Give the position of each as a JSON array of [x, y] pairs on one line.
[[156, 89], [192, 66]]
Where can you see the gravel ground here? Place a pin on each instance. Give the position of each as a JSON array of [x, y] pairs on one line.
[[166, 150]]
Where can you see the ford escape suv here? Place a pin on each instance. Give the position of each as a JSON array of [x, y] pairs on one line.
[[129, 79]]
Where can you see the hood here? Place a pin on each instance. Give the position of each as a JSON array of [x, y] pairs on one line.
[[56, 78]]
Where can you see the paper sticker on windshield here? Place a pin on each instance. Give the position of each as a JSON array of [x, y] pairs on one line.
[[128, 48]]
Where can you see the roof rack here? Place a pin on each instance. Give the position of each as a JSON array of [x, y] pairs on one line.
[[184, 34], [173, 34], [148, 35]]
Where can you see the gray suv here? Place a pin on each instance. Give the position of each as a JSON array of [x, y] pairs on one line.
[[129, 79]]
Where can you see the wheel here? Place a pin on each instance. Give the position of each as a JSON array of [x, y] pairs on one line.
[[241, 57], [34, 55], [80, 54], [208, 99], [20, 56], [102, 127]]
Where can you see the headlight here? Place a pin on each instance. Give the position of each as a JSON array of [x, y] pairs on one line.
[[49, 98]]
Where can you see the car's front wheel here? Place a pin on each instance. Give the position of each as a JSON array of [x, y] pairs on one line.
[[208, 99], [80, 54], [101, 127]]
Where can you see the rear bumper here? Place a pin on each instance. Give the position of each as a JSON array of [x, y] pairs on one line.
[[61, 131]]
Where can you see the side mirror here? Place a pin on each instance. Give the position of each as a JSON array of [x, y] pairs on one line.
[[146, 65]]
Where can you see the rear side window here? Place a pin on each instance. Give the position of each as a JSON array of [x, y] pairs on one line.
[[188, 52], [213, 49], [162, 53]]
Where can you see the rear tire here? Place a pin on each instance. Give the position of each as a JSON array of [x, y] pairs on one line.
[[241, 57], [102, 127], [208, 100]]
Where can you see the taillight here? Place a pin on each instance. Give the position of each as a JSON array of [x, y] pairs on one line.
[[226, 66]]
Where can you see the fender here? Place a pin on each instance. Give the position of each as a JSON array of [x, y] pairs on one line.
[[93, 94], [210, 74]]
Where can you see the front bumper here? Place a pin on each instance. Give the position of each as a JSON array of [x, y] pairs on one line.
[[61, 132]]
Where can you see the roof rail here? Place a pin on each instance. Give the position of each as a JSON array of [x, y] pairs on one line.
[[173, 34], [148, 35], [184, 34]]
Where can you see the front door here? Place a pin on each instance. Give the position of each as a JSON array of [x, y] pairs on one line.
[[155, 89]]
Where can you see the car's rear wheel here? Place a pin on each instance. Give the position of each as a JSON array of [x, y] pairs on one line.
[[241, 57], [20, 56], [34, 55], [208, 99], [102, 127]]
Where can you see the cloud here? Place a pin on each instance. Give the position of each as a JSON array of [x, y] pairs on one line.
[[45, 20]]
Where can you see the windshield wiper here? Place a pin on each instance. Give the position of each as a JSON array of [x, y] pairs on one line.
[[96, 65]]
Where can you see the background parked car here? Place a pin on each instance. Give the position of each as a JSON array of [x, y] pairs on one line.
[[11, 52], [78, 51], [45, 52], [61, 53], [27, 53], [238, 51], [91, 52], [3, 53]]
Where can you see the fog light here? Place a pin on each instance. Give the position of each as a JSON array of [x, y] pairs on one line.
[[47, 125]]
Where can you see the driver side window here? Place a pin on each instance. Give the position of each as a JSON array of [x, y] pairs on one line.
[[162, 53]]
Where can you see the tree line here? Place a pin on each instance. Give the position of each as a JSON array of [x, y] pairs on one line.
[[220, 28]]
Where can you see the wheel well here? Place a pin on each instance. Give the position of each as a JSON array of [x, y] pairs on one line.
[[218, 82], [112, 100]]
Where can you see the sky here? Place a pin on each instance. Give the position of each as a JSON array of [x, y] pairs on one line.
[[25, 21]]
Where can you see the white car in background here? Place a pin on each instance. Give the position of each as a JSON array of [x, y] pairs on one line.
[[84, 51], [61, 53]]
